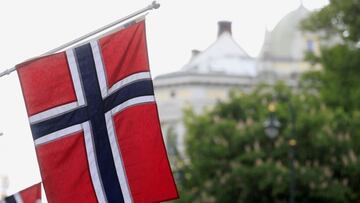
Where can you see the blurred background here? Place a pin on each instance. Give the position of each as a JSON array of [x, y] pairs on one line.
[[282, 126], [258, 100]]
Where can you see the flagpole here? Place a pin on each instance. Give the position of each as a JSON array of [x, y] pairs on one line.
[[153, 5]]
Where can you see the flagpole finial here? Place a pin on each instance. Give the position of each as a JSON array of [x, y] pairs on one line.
[[155, 5]]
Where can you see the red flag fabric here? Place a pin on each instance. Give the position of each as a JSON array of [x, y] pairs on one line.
[[29, 195], [95, 124]]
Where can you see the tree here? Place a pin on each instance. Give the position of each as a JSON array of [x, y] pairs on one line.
[[340, 18], [230, 159], [339, 81]]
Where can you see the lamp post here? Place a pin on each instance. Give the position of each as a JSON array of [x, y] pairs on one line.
[[271, 127], [272, 124]]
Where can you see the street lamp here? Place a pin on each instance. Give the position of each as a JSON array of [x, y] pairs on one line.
[[272, 124], [271, 128]]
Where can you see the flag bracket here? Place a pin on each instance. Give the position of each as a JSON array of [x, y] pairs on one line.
[[153, 5]]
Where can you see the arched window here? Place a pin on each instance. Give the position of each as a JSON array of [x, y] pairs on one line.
[[310, 45]]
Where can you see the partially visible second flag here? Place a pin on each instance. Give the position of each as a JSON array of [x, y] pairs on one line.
[[29, 195]]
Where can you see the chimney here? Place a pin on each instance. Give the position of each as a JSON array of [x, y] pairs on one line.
[[224, 26], [194, 53]]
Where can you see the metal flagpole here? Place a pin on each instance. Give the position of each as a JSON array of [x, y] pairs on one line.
[[153, 5]]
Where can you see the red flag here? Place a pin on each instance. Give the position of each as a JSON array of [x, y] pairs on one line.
[[29, 195], [95, 124]]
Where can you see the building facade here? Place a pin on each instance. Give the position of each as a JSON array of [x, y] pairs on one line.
[[211, 74]]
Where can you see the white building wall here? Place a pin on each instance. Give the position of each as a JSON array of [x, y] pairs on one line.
[[173, 100]]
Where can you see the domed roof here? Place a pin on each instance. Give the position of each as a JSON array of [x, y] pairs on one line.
[[285, 41]]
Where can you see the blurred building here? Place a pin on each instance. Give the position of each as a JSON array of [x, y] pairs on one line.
[[211, 74], [282, 53]]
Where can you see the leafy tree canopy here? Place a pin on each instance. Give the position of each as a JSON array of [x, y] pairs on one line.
[[230, 159], [340, 18], [339, 80]]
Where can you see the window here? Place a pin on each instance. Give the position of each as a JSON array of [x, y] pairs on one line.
[[310, 45], [171, 143], [172, 94]]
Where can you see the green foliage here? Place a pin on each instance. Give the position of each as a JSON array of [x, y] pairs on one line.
[[339, 81], [230, 159], [340, 18]]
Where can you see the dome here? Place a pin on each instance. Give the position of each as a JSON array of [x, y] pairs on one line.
[[285, 42]]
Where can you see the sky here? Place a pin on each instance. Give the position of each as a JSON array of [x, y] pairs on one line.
[[30, 28]]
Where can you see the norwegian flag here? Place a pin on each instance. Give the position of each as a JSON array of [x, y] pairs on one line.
[[29, 195], [95, 124]]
